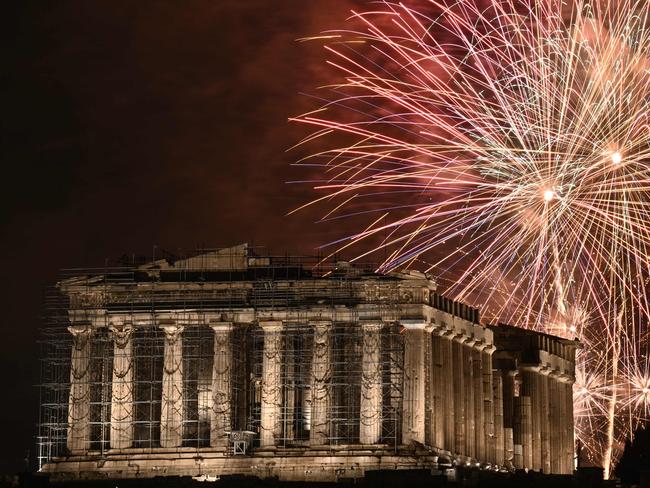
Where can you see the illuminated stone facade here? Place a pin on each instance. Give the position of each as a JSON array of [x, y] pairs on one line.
[[227, 363]]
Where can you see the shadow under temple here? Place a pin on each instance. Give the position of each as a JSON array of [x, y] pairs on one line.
[[231, 363]]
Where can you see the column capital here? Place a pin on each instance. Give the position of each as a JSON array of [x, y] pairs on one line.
[[531, 368], [118, 326], [417, 324], [433, 328], [489, 348], [121, 332], [118, 320], [170, 328], [221, 327], [459, 337], [371, 324], [320, 324], [271, 325], [480, 345], [80, 329]]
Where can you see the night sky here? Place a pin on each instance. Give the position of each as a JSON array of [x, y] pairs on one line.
[[127, 125]]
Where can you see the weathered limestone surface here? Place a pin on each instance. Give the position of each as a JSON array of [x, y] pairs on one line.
[[270, 417], [221, 414], [171, 409], [371, 391], [310, 465], [121, 436], [320, 384], [79, 399]]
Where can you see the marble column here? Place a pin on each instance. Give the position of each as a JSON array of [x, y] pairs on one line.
[[413, 418], [447, 373], [459, 394], [429, 400], [290, 390], [371, 391], [562, 435], [545, 425], [122, 387], [470, 406], [438, 380], [171, 408], [393, 341], [479, 421], [499, 434], [78, 440], [530, 387], [271, 409], [489, 433], [221, 412], [509, 388], [522, 433], [321, 372], [305, 396], [566, 422], [554, 414]]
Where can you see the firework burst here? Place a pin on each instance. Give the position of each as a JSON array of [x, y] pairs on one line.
[[504, 145]]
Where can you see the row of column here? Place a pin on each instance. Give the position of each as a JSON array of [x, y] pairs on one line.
[[462, 397], [371, 387], [171, 416], [543, 421], [121, 433], [427, 390], [452, 399]]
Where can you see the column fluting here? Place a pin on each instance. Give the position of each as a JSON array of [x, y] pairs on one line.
[[171, 408], [78, 439], [122, 387]]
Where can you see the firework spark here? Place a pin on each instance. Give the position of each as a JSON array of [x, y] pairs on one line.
[[504, 146]]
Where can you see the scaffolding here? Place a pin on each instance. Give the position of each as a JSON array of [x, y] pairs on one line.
[[311, 369], [198, 286]]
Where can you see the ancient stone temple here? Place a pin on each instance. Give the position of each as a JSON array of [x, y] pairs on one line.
[[230, 363]]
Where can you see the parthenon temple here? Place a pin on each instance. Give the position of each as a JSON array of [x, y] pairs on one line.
[[231, 363]]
